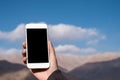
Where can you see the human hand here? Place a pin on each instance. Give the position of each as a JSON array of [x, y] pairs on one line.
[[43, 74]]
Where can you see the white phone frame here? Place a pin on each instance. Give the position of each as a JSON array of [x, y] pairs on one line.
[[36, 65]]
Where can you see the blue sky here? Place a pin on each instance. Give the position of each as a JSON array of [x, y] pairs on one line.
[[101, 17]]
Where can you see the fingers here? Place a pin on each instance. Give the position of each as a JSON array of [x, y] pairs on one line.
[[24, 45], [24, 52], [24, 60], [24, 55]]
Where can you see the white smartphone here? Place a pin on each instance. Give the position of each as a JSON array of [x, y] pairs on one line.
[[37, 45]]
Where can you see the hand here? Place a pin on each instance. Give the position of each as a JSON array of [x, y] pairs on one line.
[[43, 74]]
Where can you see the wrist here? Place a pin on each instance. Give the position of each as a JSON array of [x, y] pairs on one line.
[[57, 75]]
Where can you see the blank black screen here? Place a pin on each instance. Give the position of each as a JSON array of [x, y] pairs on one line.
[[37, 45]]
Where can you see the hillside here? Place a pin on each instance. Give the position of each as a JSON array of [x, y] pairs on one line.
[[106, 70], [14, 71], [93, 67], [70, 62]]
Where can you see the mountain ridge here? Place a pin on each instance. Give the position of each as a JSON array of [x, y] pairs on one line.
[[73, 67], [106, 70]]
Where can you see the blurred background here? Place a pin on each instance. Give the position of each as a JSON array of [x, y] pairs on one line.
[[85, 35]]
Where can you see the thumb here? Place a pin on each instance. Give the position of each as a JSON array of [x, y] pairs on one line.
[[52, 55]]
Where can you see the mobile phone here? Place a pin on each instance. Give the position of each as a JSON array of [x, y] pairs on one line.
[[37, 45]]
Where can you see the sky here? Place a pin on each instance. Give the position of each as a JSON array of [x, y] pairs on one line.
[[77, 27]]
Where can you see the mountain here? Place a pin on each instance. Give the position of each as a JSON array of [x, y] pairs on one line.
[[14, 71], [106, 70], [91, 67], [7, 67], [15, 58], [70, 62]]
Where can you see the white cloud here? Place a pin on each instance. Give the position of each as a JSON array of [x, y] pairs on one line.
[[70, 32], [17, 34], [96, 40], [64, 32], [59, 32], [72, 49], [9, 51]]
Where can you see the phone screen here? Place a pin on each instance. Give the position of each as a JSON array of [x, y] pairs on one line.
[[37, 45]]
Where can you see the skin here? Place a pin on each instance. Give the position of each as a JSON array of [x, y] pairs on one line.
[[43, 74]]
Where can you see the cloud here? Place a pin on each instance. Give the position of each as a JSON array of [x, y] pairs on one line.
[[64, 32], [72, 49], [96, 40], [70, 32], [9, 51], [17, 34], [59, 32]]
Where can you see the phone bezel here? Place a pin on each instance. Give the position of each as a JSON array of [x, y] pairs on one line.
[[36, 65]]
